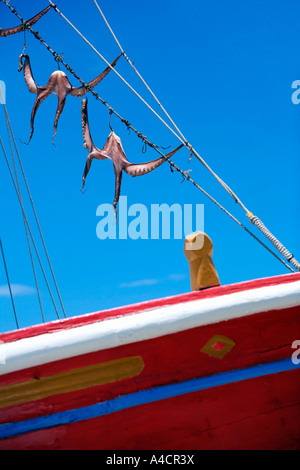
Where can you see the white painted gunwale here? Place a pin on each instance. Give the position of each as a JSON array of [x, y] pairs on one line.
[[144, 325]]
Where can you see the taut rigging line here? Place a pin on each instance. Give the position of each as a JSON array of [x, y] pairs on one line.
[[35, 215], [27, 227], [8, 283]]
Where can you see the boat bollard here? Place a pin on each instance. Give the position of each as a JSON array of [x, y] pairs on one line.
[[198, 250]]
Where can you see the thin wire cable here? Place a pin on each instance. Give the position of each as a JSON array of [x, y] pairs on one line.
[[29, 229], [26, 229], [139, 134], [8, 283], [137, 72], [35, 215]]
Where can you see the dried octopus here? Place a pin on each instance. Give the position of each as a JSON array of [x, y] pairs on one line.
[[113, 150], [58, 84]]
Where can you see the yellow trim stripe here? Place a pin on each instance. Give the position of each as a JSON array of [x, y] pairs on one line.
[[71, 381]]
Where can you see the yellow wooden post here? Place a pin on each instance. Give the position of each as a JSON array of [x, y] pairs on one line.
[[198, 250]]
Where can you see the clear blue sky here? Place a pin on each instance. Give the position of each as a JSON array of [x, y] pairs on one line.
[[224, 71]]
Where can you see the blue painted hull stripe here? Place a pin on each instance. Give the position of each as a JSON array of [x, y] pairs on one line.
[[143, 397]]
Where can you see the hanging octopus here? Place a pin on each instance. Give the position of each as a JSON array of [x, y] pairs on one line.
[[59, 84], [18, 29], [113, 151]]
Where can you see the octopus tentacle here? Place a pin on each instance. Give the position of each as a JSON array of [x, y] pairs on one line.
[[79, 92], [88, 142], [118, 181], [28, 75], [60, 107], [88, 164], [42, 95], [87, 138], [18, 29], [138, 169]]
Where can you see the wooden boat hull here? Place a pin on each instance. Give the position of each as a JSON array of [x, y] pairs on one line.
[[206, 370]]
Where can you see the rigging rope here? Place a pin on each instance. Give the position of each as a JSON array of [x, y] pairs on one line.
[[58, 58], [8, 283], [34, 212], [279, 246], [26, 230], [28, 226]]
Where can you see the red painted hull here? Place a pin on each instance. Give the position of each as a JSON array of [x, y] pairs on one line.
[[257, 414], [252, 410]]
